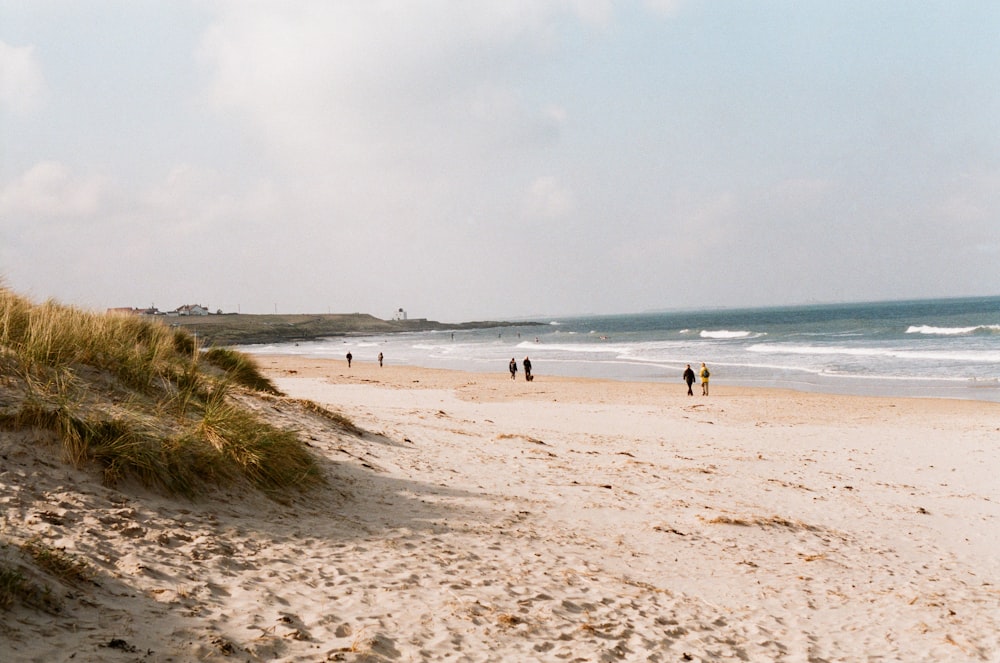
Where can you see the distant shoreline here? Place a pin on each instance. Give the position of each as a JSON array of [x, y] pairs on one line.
[[250, 329]]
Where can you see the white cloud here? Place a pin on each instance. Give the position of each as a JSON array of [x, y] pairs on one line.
[[22, 85], [51, 190], [664, 7], [972, 200], [548, 199], [325, 82], [800, 193]]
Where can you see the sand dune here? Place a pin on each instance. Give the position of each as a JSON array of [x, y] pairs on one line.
[[480, 519]]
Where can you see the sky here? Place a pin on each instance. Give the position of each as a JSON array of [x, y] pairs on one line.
[[498, 159]]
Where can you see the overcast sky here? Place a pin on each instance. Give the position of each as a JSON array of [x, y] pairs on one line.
[[467, 160]]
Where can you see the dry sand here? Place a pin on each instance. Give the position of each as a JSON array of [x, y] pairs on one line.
[[483, 519]]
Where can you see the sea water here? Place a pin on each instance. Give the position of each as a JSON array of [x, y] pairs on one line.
[[946, 348]]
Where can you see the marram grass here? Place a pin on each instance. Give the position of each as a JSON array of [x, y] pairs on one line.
[[240, 368], [141, 400], [68, 567], [17, 588]]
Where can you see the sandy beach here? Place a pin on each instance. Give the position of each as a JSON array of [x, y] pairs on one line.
[[475, 518]]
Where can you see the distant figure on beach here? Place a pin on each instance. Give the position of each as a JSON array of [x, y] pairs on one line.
[[349, 358], [513, 368], [704, 379], [380, 360], [527, 370], [689, 378]]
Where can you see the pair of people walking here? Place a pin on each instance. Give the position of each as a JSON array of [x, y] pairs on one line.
[[689, 378], [527, 369]]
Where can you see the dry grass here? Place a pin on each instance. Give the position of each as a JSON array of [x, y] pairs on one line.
[[336, 418], [141, 400], [56, 562], [16, 588], [508, 620], [12, 586], [526, 438], [765, 522], [241, 369]]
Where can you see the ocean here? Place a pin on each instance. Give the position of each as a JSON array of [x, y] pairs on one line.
[[942, 348]]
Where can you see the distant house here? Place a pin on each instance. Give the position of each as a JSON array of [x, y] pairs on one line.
[[192, 309]]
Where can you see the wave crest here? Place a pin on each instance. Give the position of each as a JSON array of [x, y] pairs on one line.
[[950, 331], [725, 333]]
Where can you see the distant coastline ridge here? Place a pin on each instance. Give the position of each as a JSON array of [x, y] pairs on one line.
[[251, 329]]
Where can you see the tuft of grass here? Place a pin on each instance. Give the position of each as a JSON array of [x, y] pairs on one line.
[[337, 418], [508, 620], [13, 586], [16, 588], [241, 369], [271, 458], [57, 562], [764, 522], [140, 400]]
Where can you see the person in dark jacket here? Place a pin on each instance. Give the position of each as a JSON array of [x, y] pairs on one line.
[[527, 370], [689, 378]]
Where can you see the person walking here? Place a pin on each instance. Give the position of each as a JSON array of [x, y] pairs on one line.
[[513, 368], [380, 360], [527, 370], [689, 378], [349, 358], [704, 379]]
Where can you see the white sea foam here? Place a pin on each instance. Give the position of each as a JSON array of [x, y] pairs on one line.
[[943, 331], [950, 331], [585, 348], [725, 333], [895, 353]]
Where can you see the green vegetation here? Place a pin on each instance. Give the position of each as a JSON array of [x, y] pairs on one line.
[[240, 368], [141, 400], [16, 588], [12, 586], [59, 563], [333, 417]]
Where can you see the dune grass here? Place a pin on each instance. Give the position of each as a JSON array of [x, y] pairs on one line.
[[12, 586], [141, 400], [59, 563], [335, 418], [16, 588], [240, 368]]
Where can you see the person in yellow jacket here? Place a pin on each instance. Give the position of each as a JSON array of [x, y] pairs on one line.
[[704, 379]]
